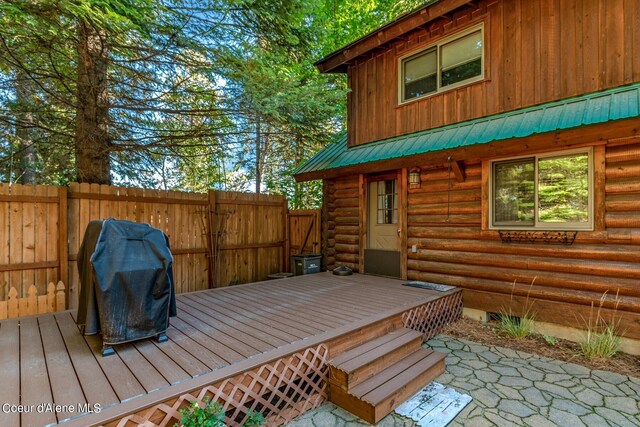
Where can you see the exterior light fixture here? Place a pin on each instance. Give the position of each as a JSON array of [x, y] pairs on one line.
[[414, 177]]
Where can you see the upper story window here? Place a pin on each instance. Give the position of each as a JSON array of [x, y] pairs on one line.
[[551, 191], [452, 62]]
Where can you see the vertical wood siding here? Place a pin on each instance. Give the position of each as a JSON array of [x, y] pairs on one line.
[[536, 51]]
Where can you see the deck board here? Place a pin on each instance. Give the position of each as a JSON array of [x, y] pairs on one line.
[[34, 379], [10, 368], [217, 332], [64, 381]]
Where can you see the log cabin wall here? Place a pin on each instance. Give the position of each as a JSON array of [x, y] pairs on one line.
[[342, 201], [559, 281], [535, 52]]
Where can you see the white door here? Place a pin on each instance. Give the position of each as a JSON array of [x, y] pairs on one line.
[[383, 215]]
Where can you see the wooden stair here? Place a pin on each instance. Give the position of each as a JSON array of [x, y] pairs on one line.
[[374, 378]]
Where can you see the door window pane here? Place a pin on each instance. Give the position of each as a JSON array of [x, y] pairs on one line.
[[387, 202]]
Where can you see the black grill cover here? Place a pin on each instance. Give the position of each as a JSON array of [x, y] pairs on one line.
[[126, 281]]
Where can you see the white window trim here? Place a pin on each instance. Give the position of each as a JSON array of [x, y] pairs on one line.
[[565, 226], [437, 47]]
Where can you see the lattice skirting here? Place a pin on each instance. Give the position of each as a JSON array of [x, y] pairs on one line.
[[281, 391], [430, 318]]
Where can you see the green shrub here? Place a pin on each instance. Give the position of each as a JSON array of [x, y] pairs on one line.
[[550, 340], [515, 327], [212, 415]]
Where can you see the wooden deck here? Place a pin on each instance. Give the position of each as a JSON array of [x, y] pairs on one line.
[[218, 333]]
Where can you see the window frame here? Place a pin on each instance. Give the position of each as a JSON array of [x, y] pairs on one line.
[[545, 226], [437, 47], [394, 205]]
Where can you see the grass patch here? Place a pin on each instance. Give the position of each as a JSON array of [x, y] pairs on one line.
[[602, 340], [513, 326]]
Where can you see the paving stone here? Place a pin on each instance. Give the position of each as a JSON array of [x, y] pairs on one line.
[[326, 418], [501, 420], [477, 348], [474, 364], [627, 390], [554, 389], [487, 376], [611, 388], [516, 408], [576, 370], [610, 377], [623, 404], [489, 357], [594, 420], [613, 416], [590, 397], [454, 345], [515, 382], [547, 366], [504, 370], [535, 397], [570, 406], [486, 397], [445, 378], [507, 352], [556, 378], [563, 418], [459, 371], [452, 359], [537, 420], [508, 392], [531, 374]]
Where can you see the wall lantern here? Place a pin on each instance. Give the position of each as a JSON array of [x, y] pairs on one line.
[[414, 177]]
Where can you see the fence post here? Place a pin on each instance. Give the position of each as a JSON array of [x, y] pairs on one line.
[[285, 237], [212, 239], [63, 239]]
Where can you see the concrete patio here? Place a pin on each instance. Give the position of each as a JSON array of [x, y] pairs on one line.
[[511, 388]]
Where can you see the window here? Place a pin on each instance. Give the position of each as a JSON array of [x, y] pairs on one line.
[[543, 192], [453, 62], [387, 202]]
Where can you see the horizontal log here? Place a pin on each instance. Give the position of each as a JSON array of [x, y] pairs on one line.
[[506, 288], [344, 212], [626, 185], [470, 170], [341, 257], [342, 248], [622, 220], [347, 230], [346, 193], [352, 239], [623, 203], [347, 203], [346, 182], [436, 219], [421, 197], [573, 315], [624, 236], [439, 232], [440, 186], [623, 253], [623, 153], [629, 169], [351, 220], [614, 269], [561, 282], [444, 208]]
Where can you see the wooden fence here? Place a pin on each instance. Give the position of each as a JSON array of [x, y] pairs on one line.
[[217, 238], [304, 231]]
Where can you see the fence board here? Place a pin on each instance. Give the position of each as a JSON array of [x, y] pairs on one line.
[[218, 238], [304, 231]]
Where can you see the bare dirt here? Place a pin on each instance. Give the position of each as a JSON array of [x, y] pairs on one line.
[[568, 351]]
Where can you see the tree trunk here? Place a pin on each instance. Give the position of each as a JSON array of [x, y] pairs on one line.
[[258, 154], [25, 171], [93, 144]]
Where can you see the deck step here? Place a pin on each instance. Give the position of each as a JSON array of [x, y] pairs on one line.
[[364, 361], [377, 396]]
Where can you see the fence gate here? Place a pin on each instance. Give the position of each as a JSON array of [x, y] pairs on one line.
[[304, 231]]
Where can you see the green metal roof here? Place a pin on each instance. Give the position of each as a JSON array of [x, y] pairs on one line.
[[600, 107]]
